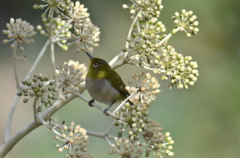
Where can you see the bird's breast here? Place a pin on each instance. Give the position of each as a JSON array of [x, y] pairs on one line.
[[101, 90]]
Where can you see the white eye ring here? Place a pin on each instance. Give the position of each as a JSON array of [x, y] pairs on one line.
[[95, 64]]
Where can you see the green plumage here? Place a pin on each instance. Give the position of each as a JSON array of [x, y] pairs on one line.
[[104, 71], [103, 83]]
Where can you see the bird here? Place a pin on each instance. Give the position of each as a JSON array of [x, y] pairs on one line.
[[104, 84]]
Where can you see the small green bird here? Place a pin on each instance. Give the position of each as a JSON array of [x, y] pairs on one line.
[[104, 84]]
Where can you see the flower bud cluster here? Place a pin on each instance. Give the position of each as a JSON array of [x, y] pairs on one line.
[[75, 11], [133, 120], [186, 21], [19, 31], [125, 148], [157, 141], [71, 77], [41, 88], [71, 23], [146, 86], [57, 25], [146, 43], [147, 47], [86, 36], [151, 32], [145, 9], [56, 5], [75, 141], [147, 31], [178, 69], [135, 117]]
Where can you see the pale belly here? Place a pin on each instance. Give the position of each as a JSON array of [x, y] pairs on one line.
[[101, 91]]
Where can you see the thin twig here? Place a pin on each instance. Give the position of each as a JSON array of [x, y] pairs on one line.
[[130, 33], [108, 141], [123, 54], [52, 44], [12, 141], [110, 127], [15, 63], [95, 105], [40, 55], [119, 106], [10, 117], [96, 134], [167, 37], [16, 98], [35, 112]]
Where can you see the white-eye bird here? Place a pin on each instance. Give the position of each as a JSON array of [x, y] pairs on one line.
[[104, 84]]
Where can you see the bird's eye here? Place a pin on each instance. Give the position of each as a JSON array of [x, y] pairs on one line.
[[95, 64]]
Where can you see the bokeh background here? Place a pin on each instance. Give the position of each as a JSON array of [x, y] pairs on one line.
[[204, 121]]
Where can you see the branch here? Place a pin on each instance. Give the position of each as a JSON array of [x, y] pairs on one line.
[[10, 117], [12, 141], [130, 33], [96, 134], [95, 105], [8, 145], [57, 105], [40, 55], [51, 12], [130, 96], [14, 63], [16, 98], [122, 54], [167, 37]]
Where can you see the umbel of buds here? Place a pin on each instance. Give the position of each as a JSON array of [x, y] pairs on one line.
[[71, 77], [19, 31], [75, 140], [41, 89]]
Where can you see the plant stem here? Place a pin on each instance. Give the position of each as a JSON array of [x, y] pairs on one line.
[[57, 105], [95, 105], [96, 134], [35, 112], [51, 12], [108, 141], [15, 63], [40, 55], [118, 61], [16, 98], [167, 37], [8, 145], [13, 140], [130, 33], [123, 54], [119, 106], [110, 127], [10, 117]]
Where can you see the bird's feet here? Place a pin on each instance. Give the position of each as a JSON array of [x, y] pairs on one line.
[[90, 103], [106, 110]]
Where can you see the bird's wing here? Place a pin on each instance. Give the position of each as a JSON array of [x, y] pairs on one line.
[[119, 84]]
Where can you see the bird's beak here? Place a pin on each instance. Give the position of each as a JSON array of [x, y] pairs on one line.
[[89, 55]]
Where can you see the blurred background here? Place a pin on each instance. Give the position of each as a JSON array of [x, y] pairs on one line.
[[204, 121]]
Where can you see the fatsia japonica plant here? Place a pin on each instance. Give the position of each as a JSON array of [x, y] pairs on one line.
[[68, 24]]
